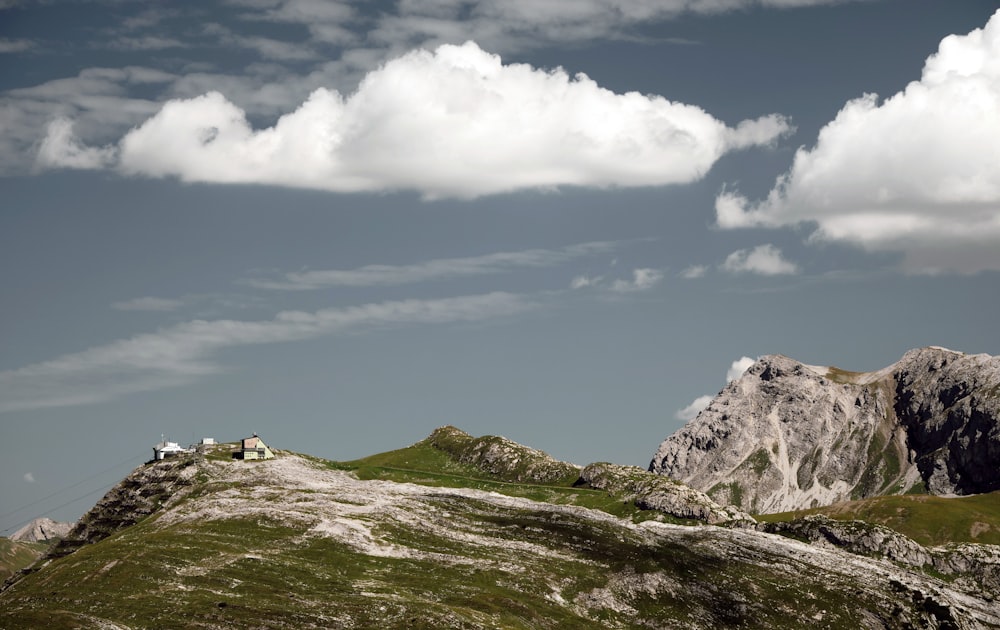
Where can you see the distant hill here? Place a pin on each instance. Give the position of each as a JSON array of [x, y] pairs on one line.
[[789, 436], [42, 530], [15, 555], [464, 532]]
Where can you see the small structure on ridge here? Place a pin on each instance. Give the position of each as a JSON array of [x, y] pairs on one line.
[[164, 449], [253, 448]]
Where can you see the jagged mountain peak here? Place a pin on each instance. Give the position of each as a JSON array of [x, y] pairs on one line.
[[787, 435], [41, 530]]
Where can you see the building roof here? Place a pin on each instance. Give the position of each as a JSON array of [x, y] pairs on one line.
[[168, 446]]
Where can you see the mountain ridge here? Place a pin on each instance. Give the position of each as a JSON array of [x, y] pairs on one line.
[[788, 436], [301, 542]]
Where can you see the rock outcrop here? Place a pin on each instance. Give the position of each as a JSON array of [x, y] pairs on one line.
[[41, 530], [976, 566], [508, 461], [649, 491], [146, 490], [502, 458], [789, 436]]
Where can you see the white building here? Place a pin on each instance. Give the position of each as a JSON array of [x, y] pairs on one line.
[[165, 449]]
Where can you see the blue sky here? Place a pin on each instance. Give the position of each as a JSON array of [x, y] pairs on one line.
[[343, 224]]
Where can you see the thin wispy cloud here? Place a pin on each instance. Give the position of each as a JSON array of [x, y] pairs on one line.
[[643, 279], [148, 304], [439, 269], [181, 354], [583, 281], [693, 272], [765, 260], [15, 45]]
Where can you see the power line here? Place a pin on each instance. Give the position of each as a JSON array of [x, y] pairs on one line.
[[75, 485], [60, 506]]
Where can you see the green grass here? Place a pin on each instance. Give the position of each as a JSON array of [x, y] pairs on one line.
[[759, 461], [735, 494], [421, 457], [15, 556], [253, 572], [536, 567], [929, 520], [426, 465]]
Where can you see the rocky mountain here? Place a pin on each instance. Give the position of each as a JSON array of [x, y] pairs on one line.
[[441, 534], [789, 436], [41, 530]]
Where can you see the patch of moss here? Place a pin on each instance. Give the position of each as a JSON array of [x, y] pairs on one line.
[[759, 461]]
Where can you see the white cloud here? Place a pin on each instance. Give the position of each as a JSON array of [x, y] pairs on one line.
[[180, 354], [735, 371], [765, 260], [738, 367], [63, 116], [29, 478], [455, 122], [693, 272], [916, 173], [148, 304], [692, 410], [642, 280], [358, 41], [62, 149], [384, 275], [581, 282], [15, 45]]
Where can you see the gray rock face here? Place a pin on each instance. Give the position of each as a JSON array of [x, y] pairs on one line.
[[41, 530], [950, 406], [789, 436], [144, 491]]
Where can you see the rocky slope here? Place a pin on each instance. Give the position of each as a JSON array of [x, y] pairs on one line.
[[789, 436], [975, 567], [41, 530], [505, 460], [296, 542]]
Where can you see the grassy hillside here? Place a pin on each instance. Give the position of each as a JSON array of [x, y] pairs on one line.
[[295, 543], [15, 556], [437, 462], [929, 520]]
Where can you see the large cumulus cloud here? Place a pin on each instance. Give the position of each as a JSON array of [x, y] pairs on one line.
[[917, 173], [455, 122]]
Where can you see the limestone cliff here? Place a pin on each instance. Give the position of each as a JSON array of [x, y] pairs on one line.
[[788, 436], [41, 530]]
